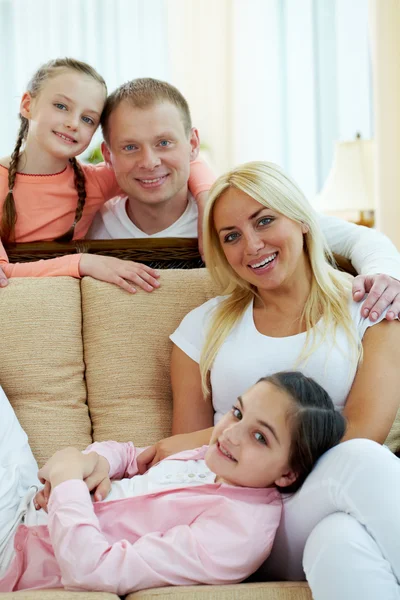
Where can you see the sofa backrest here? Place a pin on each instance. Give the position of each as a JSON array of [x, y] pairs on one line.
[[125, 350], [127, 353], [41, 362]]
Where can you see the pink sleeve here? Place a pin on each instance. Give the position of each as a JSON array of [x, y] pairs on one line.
[[120, 456], [53, 267], [222, 545], [105, 178], [201, 177]]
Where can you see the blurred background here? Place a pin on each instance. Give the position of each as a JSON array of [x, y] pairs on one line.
[[278, 80]]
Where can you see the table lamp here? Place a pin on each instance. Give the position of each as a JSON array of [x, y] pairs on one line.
[[350, 183]]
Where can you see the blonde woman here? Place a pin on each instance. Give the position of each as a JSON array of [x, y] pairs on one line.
[[284, 306]]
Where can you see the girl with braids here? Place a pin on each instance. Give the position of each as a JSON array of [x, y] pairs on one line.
[[46, 194]]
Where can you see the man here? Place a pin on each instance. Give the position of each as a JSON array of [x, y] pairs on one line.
[[149, 141]]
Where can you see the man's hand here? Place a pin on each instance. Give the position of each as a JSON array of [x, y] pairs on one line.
[[383, 291], [124, 273], [3, 279], [70, 463]]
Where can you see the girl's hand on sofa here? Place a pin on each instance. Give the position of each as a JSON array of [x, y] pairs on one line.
[[123, 273], [171, 445]]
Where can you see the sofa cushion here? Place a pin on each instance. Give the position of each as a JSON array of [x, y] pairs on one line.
[[41, 367], [243, 591], [127, 353]]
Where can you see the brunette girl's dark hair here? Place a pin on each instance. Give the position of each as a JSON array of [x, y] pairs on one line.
[[316, 425], [9, 216]]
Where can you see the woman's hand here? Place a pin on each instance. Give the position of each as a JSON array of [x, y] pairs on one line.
[[171, 445], [123, 273], [383, 291], [70, 463]]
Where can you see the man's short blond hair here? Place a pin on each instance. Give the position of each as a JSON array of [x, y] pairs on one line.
[[144, 93]]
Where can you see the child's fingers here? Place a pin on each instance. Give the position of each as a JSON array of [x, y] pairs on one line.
[[46, 491], [103, 489]]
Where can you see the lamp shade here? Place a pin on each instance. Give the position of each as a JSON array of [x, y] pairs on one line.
[[350, 183]]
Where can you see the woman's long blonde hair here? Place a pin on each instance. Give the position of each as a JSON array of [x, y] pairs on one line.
[[328, 298]]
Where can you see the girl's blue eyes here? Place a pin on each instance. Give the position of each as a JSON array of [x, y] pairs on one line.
[[87, 120]]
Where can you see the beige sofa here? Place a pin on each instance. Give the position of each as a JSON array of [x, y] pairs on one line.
[[83, 361]]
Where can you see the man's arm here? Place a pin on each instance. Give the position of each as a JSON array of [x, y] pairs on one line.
[[377, 260], [368, 250]]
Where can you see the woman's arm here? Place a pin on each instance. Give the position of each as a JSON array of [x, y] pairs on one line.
[[191, 411], [374, 397], [192, 415]]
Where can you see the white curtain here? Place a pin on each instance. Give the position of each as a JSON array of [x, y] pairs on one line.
[[301, 81], [122, 39]]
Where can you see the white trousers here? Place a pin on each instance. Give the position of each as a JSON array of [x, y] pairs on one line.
[[346, 521], [18, 475]]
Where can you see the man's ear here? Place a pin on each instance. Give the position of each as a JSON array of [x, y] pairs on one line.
[[25, 105], [194, 144], [106, 154], [286, 479]]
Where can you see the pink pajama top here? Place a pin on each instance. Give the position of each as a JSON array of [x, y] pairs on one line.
[[205, 534]]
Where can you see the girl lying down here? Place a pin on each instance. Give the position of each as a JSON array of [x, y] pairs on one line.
[[204, 516]]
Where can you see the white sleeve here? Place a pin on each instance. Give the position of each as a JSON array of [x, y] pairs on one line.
[[363, 323], [190, 334], [368, 250], [97, 230]]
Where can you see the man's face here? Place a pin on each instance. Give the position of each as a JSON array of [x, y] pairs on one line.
[[150, 151]]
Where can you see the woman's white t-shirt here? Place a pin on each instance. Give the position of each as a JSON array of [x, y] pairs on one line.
[[246, 355]]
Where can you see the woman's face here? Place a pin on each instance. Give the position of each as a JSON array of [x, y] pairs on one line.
[[262, 246], [250, 446]]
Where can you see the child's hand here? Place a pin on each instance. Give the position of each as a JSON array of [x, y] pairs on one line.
[[123, 273], [97, 480], [70, 463]]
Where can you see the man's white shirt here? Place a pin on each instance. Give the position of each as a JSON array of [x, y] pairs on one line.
[[112, 222]]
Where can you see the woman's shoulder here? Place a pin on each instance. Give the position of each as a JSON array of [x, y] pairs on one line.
[[206, 309]]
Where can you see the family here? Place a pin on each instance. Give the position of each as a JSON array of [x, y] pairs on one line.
[[285, 386]]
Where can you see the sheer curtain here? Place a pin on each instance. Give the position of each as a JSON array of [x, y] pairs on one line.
[[301, 81], [122, 39], [277, 80]]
